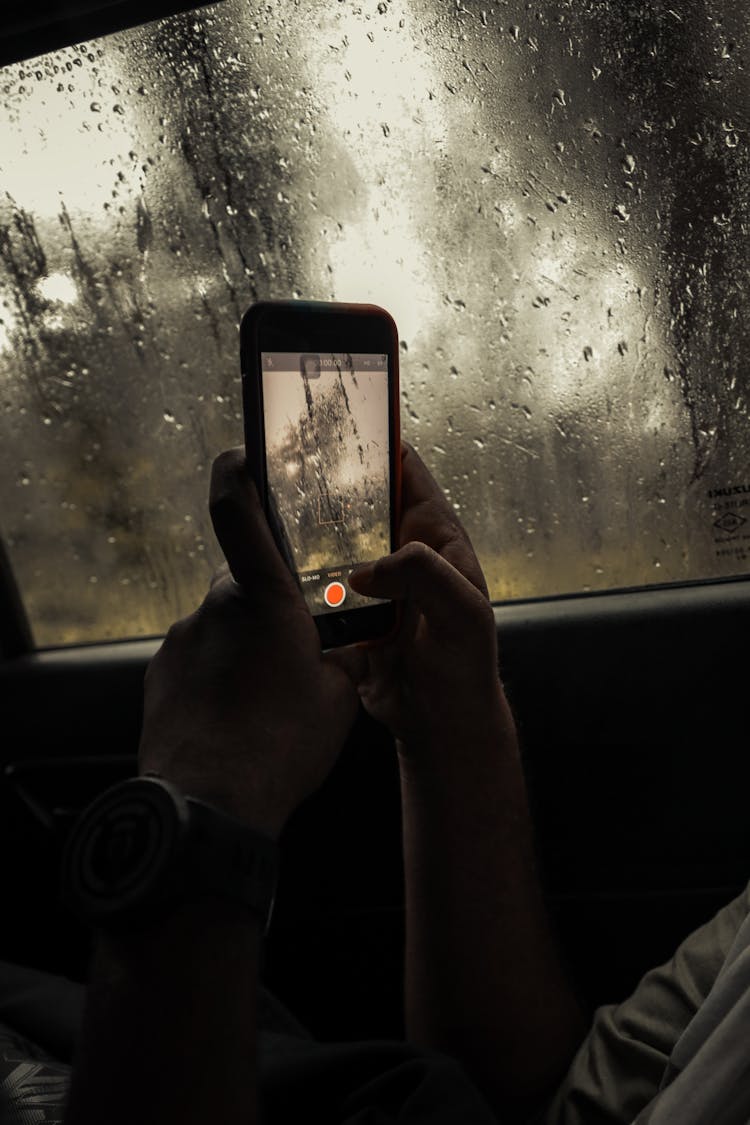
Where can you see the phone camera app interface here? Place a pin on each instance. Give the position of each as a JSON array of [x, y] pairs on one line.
[[327, 463]]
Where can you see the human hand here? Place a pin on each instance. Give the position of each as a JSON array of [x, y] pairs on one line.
[[242, 708], [436, 681]]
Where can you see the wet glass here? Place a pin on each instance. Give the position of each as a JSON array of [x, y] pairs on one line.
[[552, 201]]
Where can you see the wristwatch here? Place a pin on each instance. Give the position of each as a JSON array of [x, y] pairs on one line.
[[143, 846]]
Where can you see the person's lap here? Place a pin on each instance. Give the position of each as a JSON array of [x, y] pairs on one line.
[[373, 1082]]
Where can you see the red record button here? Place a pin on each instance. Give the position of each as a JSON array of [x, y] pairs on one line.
[[334, 594]]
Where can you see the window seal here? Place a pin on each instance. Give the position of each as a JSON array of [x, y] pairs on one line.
[[599, 607], [16, 638]]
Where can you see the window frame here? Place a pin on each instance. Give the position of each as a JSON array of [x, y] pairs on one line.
[[32, 29]]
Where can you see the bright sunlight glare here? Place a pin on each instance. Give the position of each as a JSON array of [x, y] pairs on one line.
[[59, 145], [58, 287], [375, 90]]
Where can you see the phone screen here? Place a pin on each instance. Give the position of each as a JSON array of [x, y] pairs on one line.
[[326, 422]]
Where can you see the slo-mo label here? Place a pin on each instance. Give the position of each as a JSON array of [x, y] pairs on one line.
[[325, 586]]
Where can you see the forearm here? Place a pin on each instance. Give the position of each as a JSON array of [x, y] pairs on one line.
[[169, 1034], [484, 981]]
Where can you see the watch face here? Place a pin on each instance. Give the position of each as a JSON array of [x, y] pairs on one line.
[[143, 846], [122, 848]]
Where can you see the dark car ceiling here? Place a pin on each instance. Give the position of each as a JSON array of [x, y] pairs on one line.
[[32, 27]]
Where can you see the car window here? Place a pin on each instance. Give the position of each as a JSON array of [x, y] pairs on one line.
[[551, 200]]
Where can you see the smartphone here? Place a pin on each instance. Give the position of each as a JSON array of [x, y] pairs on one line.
[[320, 395]]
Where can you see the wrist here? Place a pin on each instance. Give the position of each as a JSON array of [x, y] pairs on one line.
[[259, 813], [175, 1006], [183, 930], [457, 739]]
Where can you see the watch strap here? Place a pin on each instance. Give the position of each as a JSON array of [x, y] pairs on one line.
[[225, 857]]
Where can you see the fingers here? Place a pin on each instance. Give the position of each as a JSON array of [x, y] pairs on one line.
[[242, 529], [352, 660], [427, 517], [256, 564], [419, 575], [219, 576]]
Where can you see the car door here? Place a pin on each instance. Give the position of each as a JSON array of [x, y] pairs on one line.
[[552, 205]]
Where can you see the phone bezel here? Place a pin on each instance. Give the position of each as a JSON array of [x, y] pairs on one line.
[[321, 326]]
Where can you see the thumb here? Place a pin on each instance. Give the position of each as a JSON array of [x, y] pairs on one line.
[[421, 576], [242, 530]]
